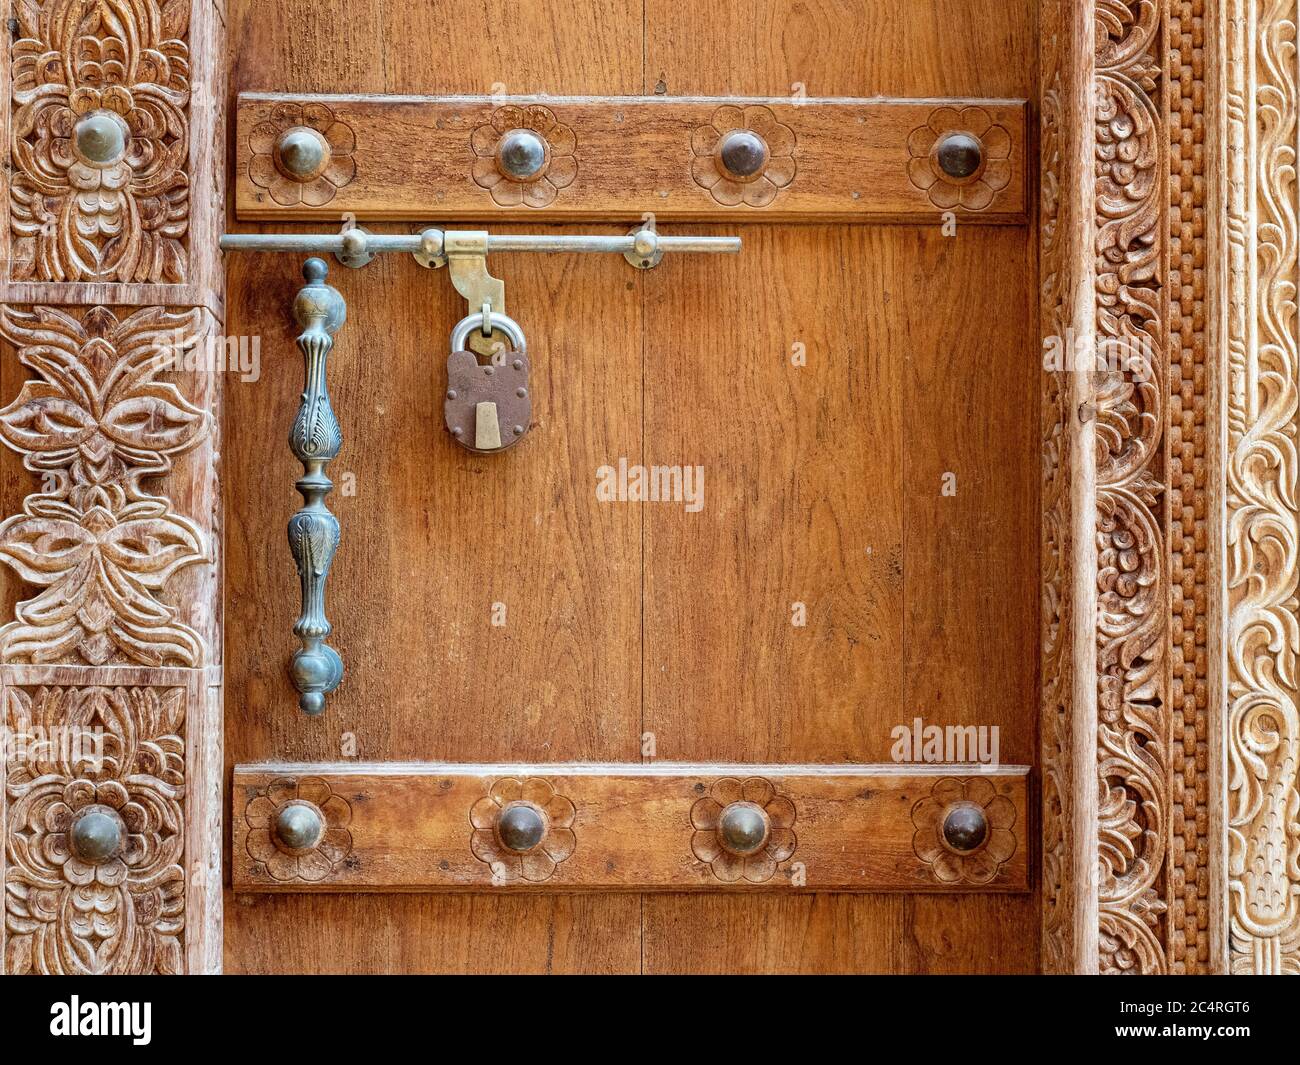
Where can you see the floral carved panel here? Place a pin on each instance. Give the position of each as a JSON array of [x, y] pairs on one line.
[[114, 287], [97, 426], [1151, 385], [94, 830], [100, 140], [1134, 741]]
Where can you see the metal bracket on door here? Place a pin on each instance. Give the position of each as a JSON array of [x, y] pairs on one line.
[[465, 256], [316, 668]]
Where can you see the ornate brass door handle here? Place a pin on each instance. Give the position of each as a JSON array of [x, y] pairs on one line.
[[313, 531]]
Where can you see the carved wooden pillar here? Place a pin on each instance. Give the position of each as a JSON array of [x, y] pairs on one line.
[[1069, 705], [110, 665]]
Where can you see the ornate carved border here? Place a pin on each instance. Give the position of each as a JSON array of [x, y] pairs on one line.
[[1134, 737], [110, 665], [1262, 632], [1156, 689], [1153, 399]]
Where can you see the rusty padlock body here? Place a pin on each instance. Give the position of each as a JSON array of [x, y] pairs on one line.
[[488, 408]]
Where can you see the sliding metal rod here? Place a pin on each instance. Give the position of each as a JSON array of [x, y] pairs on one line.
[[337, 243], [619, 244]]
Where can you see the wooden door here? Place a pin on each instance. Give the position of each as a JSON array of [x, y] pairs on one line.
[[860, 395], [863, 345]]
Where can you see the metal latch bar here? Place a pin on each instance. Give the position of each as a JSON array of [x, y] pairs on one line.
[[358, 243]]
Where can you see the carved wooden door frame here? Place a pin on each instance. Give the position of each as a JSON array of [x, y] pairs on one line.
[[115, 661], [1170, 738], [1170, 732]]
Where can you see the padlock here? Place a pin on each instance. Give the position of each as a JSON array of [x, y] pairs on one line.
[[488, 406]]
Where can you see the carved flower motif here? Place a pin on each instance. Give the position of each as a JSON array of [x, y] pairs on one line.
[[1129, 397], [337, 169], [94, 425], [100, 140], [311, 863], [121, 910], [981, 863], [557, 842], [976, 192], [1126, 36], [1130, 943], [557, 171], [776, 813], [759, 188]]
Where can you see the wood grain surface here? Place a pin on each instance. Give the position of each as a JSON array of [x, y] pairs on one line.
[[635, 627]]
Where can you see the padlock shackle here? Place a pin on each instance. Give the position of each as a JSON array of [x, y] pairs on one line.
[[495, 320]]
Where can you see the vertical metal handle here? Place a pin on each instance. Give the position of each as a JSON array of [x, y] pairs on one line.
[[313, 531]]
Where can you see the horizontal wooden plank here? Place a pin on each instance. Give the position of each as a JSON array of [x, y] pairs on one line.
[[429, 159], [422, 827]]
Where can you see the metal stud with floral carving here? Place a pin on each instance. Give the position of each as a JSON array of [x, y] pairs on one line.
[[963, 830], [744, 155], [302, 154], [522, 830], [960, 158], [524, 155], [95, 831], [298, 829], [743, 829], [100, 141]]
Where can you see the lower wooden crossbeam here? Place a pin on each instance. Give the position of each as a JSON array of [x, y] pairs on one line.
[[426, 826]]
